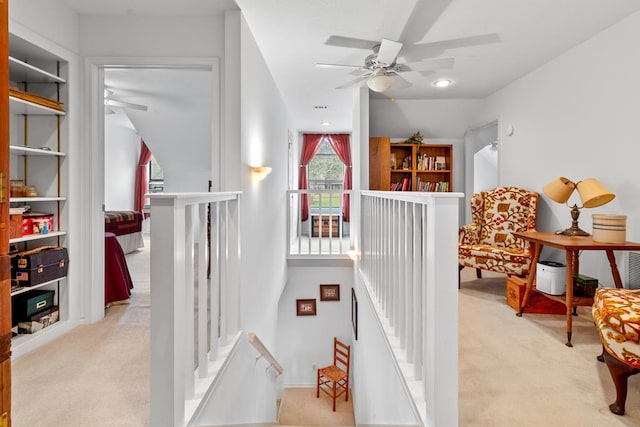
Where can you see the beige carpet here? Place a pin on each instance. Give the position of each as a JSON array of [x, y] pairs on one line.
[[518, 372], [301, 407], [96, 375]]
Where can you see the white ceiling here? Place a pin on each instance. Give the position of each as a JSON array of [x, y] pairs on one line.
[[292, 34]]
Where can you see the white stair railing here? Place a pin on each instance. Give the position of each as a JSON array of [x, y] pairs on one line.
[[324, 232], [264, 352], [408, 263], [194, 319]]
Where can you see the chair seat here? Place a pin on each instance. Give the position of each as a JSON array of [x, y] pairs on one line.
[[334, 373], [493, 252], [616, 313]]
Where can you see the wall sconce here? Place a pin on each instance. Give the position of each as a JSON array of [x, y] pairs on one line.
[[260, 172], [592, 194]]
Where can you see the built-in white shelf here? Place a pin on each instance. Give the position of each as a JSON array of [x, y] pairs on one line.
[[29, 288], [36, 199], [20, 106], [30, 151], [21, 72], [31, 237]]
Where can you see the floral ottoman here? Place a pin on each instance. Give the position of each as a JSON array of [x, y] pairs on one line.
[[616, 313]]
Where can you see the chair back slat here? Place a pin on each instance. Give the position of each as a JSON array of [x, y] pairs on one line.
[[341, 353]]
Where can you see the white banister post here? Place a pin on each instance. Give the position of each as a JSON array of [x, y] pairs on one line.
[[418, 292], [202, 291], [167, 313], [214, 295], [224, 263], [233, 272], [189, 289], [441, 315]]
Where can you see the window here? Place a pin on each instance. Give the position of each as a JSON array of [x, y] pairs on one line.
[[156, 176], [326, 171]]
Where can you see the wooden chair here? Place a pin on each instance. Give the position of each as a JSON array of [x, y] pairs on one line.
[[334, 379]]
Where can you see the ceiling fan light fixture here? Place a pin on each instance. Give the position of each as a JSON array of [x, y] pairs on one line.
[[442, 83], [379, 81]]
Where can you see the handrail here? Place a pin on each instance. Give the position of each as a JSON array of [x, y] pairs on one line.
[[264, 352]]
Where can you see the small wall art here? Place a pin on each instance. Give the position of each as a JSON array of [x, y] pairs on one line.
[[306, 307], [329, 292]]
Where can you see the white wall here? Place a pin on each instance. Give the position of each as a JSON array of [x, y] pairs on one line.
[[51, 19], [121, 151], [306, 342], [378, 393], [577, 116]]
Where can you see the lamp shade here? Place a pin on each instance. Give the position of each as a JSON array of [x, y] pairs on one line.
[[379, 81], [594, 194], [559, 190]]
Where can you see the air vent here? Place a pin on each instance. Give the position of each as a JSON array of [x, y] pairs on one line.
[[633, 270], [320, 107]]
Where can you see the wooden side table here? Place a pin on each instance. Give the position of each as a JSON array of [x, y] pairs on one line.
[[572, 245]]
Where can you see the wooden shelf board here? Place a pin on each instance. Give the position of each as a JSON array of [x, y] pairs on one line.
[[29, 288], [32, 237], [36, 199], [20, 106], [21, 71], [29, 151]]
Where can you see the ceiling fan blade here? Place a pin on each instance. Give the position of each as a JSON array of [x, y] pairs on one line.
[[123, 104], [353, 82], [420, 51], [432, 64], [400, 82], [323, 65], [422, 18], [389, 49], [342, 41]]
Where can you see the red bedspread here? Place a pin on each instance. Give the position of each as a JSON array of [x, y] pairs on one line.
[[117, 280], [122, 222]]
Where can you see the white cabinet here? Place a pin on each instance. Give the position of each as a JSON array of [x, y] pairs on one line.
[[38, 161]]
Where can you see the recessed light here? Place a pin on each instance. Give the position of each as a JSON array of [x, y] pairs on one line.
[[442, 83], [326, 123]]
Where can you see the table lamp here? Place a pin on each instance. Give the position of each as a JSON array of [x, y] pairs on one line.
[[592, 194]]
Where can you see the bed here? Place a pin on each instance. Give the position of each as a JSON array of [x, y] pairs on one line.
[[127, 226]]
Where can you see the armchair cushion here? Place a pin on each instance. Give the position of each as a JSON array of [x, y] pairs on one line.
[[488, 243]]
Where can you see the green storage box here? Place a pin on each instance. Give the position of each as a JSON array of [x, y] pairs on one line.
[[29, 303], [584, 286]]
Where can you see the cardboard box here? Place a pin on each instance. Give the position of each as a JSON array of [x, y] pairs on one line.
[[15, 226], [515, 291]]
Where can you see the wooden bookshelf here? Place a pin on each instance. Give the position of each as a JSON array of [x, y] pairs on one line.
[[410, 167]]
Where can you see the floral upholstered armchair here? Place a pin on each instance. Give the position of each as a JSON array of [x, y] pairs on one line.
[[489, 243]]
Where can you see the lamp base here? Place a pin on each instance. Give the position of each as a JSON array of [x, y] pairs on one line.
[[573, 232]]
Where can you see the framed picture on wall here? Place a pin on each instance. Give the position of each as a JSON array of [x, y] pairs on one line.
[[329, 292], [354, 313], [306, 307]]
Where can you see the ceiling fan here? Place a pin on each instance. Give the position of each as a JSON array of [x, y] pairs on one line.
[[110, 101], [381, 69]]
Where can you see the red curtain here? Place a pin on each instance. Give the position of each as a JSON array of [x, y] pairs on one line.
[[340, 144], [142, 179], [310, 145]]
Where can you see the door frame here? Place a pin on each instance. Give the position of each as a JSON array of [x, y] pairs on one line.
[[94, 135], [469, 142]]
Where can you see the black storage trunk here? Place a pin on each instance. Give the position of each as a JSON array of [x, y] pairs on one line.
[[39, 265], [29, 303]]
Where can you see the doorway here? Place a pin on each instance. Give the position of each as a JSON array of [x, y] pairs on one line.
[[482, 156], [174, 111]]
